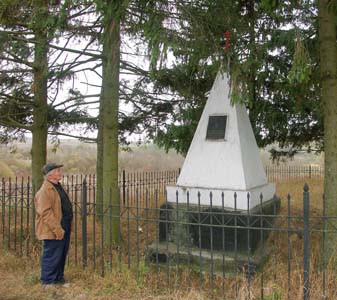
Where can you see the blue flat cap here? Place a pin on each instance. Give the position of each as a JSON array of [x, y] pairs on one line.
[[48, 167]]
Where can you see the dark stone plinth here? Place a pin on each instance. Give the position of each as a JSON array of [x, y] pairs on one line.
[[216, 228], [237, 235], [216, 262]]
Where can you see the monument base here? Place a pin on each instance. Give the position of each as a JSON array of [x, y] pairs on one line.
[[219, 263], [229, 199], [201, 234]]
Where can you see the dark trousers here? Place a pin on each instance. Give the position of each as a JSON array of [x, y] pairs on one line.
[[54, 255]]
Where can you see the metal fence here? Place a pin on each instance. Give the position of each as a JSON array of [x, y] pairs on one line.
[[285, 172], [230, 254], [17, 205]]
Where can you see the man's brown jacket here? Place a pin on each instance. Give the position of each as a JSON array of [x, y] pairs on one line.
[[48, 212]]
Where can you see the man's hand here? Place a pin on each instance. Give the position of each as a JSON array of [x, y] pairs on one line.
[[60, 236]]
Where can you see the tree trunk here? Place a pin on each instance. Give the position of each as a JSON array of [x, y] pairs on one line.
[[110, 101], [99, 164], [328, 64], [40, 127]]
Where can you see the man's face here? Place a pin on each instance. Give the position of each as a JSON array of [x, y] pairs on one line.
[[55, 175]]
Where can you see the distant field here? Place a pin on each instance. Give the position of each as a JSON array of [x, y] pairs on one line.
[[80, 158], [300, 159]]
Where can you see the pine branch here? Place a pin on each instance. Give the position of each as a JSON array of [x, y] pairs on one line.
[[7, 121], [56, 133]]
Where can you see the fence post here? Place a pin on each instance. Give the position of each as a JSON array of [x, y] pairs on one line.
[[323, 247], [123, 186], [33, 211], [309, 171], [3, 210], [84, 223], [306, 241]]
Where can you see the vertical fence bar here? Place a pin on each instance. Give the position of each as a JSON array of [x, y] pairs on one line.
[[15, 211], [84, 224], [33, 211], [150, 182], [306, 241], [211, 240], [200, 244], [137, 231], [147, 184], [289, 247], [249, 271], [27, 217], [9, 212], [324, 265], [157, 216], [128, 228], [75, 187], [309, 171], [131, 184], [3, 210], [275, 250], [119, 247], [223, 239], [177, 238], [147, 258], [136, 187], [94, 225], [188, 240], [143, 190], [102, 236], [262, 242], [110, 228], [21, 217], [167, 233], [236, 245], [127, 189], [124, 186]]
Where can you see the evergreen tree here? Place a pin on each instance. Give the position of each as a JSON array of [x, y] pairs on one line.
[[111, 12], [30, 70], [266, 76]]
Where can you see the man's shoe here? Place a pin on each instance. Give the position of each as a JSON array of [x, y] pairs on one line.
[[49, 286], [61, 281]]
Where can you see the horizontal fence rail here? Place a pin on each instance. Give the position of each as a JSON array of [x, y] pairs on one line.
[[275, 250]]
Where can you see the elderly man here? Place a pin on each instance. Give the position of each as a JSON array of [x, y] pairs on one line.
[[53, 224]]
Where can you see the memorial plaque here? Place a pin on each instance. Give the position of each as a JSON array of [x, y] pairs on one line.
[[216, 127]]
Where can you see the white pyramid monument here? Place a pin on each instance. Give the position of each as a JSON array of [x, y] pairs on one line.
[[223, 157]]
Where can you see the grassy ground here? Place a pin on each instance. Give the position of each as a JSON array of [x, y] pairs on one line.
[[19, 276], [19, 279]]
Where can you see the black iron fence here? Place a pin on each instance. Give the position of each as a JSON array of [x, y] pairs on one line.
[[275, 250], [17, 205], [285, 172]]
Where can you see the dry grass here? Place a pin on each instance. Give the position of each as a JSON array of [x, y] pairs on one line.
[[294, 187], [19, 276], [20, 280]]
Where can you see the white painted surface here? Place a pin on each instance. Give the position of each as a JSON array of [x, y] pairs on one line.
[[232, 164], [221, 198]]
